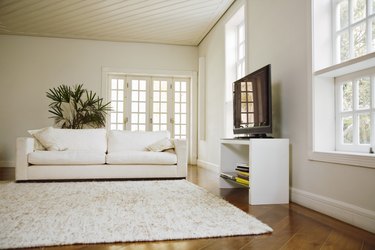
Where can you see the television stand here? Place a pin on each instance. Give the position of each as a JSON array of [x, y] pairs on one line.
[[268, 162]]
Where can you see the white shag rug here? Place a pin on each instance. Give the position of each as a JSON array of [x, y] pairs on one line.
[[62, 213]]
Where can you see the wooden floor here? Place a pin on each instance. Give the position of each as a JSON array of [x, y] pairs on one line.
[[295, 227]]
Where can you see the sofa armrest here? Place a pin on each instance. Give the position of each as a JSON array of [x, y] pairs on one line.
[[182, 155], [24, 146]]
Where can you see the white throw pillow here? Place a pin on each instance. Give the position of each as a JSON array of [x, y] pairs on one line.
[[48, 140], [37, 145], [161, 145]]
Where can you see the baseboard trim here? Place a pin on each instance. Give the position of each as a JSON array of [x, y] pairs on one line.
[[346, 212], [7, 164], [208, 165]]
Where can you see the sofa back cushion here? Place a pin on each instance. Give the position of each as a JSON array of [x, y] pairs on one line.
[[119, 141], [54, 139]]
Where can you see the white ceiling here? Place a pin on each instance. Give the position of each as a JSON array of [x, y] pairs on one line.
[[182, 22]]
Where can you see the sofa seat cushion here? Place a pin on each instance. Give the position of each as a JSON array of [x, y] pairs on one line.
[[141, 157], [65, 157]]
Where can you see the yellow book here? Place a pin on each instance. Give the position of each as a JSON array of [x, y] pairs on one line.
[[242, 181], [243, 173]]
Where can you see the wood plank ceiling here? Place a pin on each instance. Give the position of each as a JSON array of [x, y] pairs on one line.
[[181, 22]]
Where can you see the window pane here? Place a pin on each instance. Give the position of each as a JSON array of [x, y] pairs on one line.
[[347, 96], [359, 36], [343, 15], [114, 106], [114, 95], [134, 118], [135, 96], [134, 84], [364, 93], [113, 117], [134, 127], [155, 118], [155, 128], [156, 96], [177, 129], [142, 96], [120, 126], [177, 97], [156, 85], [142, 128], [343, 41], [347, 129], [183, 119], [373, 34], [241, 51], [120, 95], [163, 118], [120, 107], [163, 127], [120, 84], [156, 107], [163, 96], [163, 107], [177, 119], [142, 107], [183, 86], [142, 85], [177, 86], [177, 108], [359, 10], [135, 107], [120, 117], [164, 86], [183, 108], [364, 128], [142, 118], [113, 126], [114, 84], [241, 33]]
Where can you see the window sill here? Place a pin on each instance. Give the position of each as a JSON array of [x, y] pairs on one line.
[[346, 158], [350, 66]]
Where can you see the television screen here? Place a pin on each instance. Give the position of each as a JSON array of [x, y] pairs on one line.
[[252, 103]]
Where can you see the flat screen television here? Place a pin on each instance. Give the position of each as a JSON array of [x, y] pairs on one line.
[[252, 104]]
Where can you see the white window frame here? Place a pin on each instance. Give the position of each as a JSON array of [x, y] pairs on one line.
[[192, 140], [322, 102], [355, 112], [368, 19], [232, 62]]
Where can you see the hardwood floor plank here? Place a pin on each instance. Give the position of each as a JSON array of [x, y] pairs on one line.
[[312, 235], [337, 240]]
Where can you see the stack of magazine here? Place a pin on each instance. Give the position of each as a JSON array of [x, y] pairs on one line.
[[241, 176]]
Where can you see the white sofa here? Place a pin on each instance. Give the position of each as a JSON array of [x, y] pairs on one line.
[[98, 154]]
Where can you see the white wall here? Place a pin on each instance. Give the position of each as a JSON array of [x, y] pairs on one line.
[[279, 34], [29, 66]]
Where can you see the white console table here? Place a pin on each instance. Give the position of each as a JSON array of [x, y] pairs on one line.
[[269, 167]]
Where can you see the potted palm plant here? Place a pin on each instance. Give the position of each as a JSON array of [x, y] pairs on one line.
[[77, 108]]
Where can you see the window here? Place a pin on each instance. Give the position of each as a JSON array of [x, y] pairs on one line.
[[355, 111], [354, 36], [235, 62], [354, 28], [240, 50], [343, 85], [150, 104]]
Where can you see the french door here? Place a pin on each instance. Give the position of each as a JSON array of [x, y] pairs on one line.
[[144, 103]]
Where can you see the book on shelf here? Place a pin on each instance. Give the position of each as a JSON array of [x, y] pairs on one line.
[[242, 181], [240, 175], [226, 175], [243, 169], [243, 173], [232, 176]]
